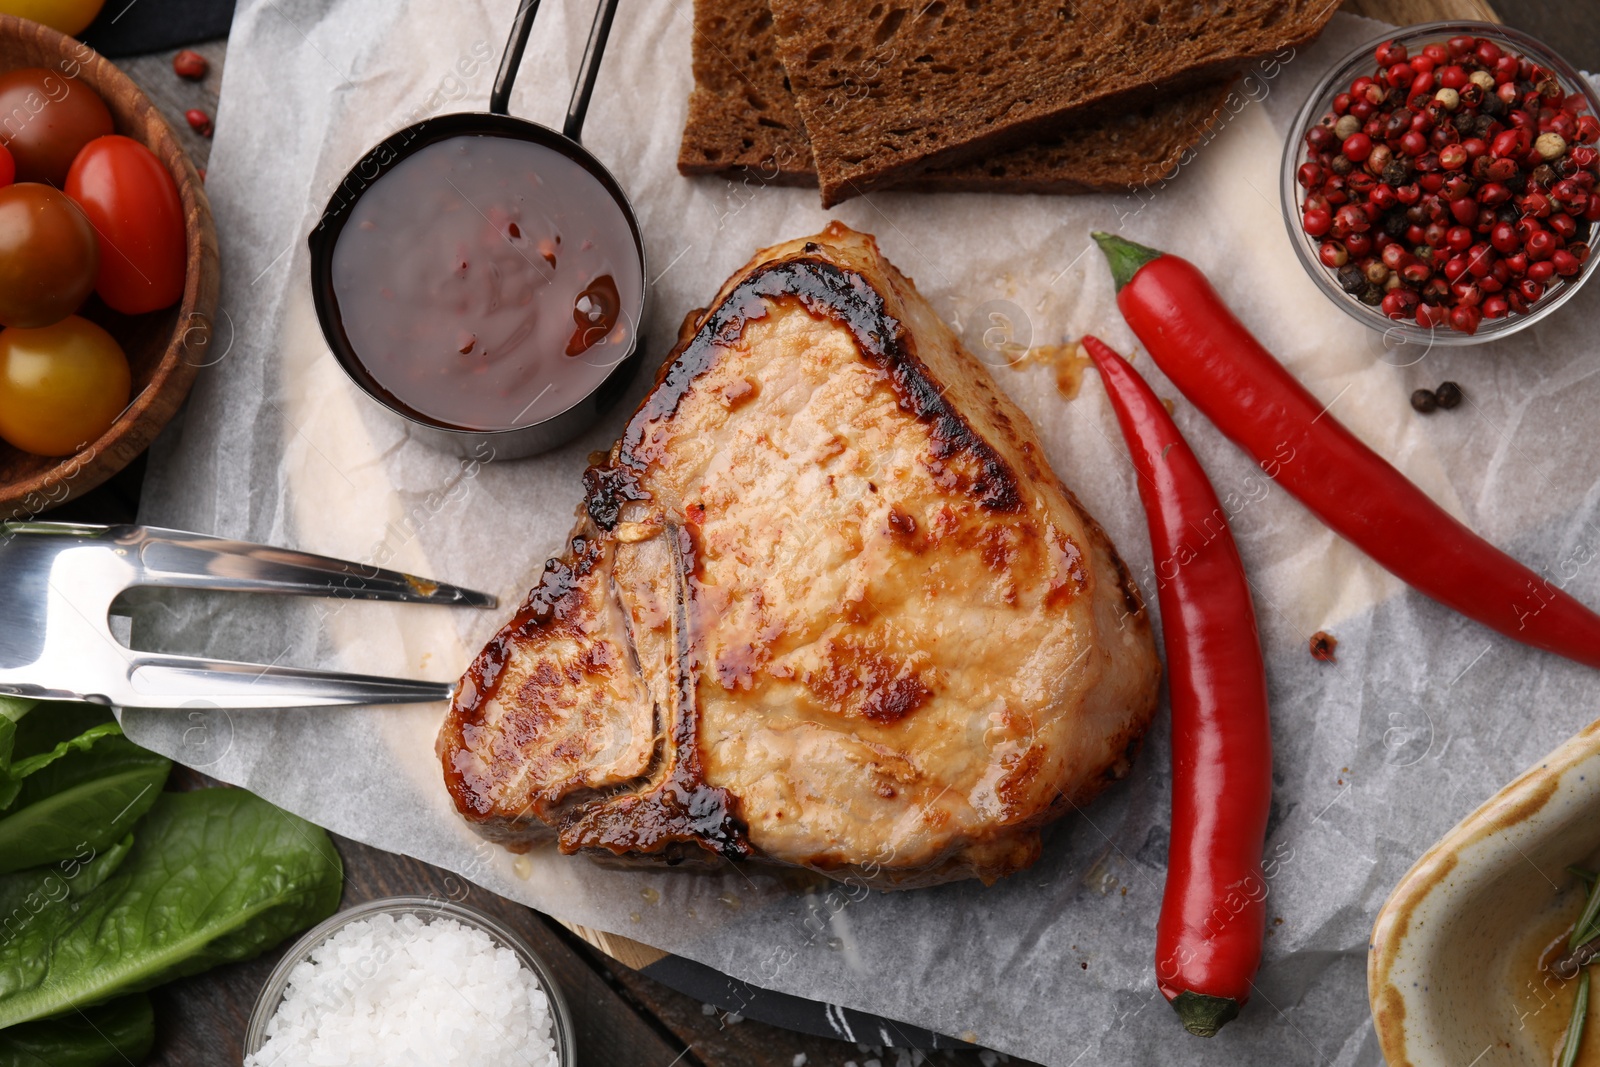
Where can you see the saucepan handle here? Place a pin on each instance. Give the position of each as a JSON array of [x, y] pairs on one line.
[[521, 26], [588, 67]]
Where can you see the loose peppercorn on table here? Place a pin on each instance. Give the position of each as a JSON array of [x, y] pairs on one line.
[[622, 1016]]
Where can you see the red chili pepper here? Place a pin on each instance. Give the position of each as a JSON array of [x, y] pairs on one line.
[[1213, 914], [1258, 404]]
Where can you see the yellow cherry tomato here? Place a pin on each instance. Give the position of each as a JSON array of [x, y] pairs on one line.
[[61, 386], [68, 16]]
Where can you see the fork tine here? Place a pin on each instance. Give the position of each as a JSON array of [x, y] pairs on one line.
[[161, 681], [176, 559]]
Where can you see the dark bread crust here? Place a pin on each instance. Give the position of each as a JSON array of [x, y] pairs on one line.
[[742, 122], [890, 90], [1115, 153], [744, 125]]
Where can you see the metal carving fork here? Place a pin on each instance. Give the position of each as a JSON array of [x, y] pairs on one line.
[[58, 580]]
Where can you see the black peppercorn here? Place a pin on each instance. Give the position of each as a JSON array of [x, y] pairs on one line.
[[1372, 295], [1448, 395], [1351, 280], [1341, 164], [1424, 401], [1395, 224], [1396, 171]]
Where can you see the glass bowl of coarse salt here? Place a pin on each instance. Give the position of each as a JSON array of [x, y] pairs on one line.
[[410, 980]]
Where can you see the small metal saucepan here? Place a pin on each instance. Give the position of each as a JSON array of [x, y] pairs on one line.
[[549, 430]]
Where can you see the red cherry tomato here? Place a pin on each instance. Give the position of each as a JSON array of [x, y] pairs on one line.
[[133, 202], [8, 168], [48, 117], [48, 255]]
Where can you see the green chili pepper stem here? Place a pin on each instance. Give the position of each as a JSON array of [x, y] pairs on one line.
[[1588, 876], [1202, 1014], [1124, 256]]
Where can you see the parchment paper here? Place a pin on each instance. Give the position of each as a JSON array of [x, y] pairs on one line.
[[1424, 715]]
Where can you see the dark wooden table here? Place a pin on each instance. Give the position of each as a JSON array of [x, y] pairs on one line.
[[623, 1018]]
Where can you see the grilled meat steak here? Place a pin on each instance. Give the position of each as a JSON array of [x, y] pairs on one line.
[[826, 605]]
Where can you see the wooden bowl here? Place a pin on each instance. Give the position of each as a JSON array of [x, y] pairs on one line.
[[165, 349]]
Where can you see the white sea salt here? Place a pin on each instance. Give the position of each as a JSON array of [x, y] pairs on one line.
[[402, 991]]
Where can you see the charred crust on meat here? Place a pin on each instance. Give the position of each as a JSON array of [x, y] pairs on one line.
[[679, 808], [1130, 592], [893, 702], [1020, 771], [854, 680], [903, 529], [551, 604], [607, 489], [1131, 600], [829, 291], [1070, 575], [739, 392], [1119, 767]]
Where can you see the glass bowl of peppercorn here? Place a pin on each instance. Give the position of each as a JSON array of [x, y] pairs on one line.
[[1441, 183]]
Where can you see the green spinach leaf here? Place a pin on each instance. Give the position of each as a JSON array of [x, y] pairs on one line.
[[23, 737], [12, 709], [88, 869], [119, 1032], [37, 905], [48, 723], [213, 876], [83, 793], [9, 785]]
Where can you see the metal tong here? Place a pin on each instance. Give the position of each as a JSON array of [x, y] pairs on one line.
[[58, 581]]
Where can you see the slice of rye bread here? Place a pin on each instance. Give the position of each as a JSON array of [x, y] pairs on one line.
[[889, 90], [742, 117], [744, 125]]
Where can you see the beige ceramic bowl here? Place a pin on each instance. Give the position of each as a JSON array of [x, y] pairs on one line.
[[1453, 972]]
